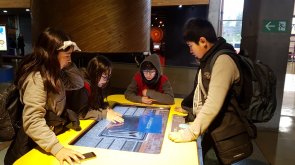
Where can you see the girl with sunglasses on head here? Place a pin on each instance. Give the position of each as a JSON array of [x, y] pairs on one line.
[[149, 85], [97, 75], [42, 92]]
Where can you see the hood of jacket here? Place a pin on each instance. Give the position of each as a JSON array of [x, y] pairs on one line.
[[72, 77], [155, 60]]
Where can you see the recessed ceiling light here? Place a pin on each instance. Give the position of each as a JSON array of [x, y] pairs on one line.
[[4, 11]]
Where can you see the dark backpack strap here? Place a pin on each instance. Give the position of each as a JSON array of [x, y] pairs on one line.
[[19, 146], [10, 113], [251, 128], [235, 57], [220, 52]]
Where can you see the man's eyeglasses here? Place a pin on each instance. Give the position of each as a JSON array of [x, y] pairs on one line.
[[152, 72]]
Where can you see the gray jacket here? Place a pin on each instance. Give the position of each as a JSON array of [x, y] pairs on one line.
[[36, 102]]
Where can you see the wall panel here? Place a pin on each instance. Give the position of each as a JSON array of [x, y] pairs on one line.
[[97, 26], [15, 3], [179, 2], [26, 3]]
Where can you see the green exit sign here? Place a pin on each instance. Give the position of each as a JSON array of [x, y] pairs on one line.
[[275, 26]]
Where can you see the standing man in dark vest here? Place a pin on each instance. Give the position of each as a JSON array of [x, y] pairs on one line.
[[212, 93]]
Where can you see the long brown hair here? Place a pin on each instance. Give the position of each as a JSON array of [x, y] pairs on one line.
[[95, 68], [44, 60]]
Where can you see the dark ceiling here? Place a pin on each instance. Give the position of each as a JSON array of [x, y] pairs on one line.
[[14, 11]]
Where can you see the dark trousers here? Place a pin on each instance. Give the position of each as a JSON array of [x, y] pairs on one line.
[[22, 51]]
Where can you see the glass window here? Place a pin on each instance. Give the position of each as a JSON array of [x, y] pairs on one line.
[[232, 22], [293, 26], [233, 9], [231, 31], [292, 41]]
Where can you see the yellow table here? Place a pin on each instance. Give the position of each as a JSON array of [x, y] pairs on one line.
[[171, 153]]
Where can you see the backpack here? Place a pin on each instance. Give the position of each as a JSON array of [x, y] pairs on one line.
[[10, 113], [256, 94]]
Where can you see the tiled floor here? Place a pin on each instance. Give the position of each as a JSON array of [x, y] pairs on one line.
[[285, 137], [282, 141]]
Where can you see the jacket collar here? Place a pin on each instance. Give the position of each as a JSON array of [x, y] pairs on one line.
[[217, 46]]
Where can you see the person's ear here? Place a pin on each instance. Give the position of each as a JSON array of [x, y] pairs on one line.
[[203, 42]]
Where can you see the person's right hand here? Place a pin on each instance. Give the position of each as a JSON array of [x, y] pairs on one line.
[[147, 100], [68, 155], [114, 116]]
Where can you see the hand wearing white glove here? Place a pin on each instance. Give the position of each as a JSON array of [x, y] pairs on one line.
[[182, 136]]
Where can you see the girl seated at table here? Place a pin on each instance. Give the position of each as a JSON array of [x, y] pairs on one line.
[[97, 75], [149, 85]]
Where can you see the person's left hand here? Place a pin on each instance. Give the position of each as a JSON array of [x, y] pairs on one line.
[[114, 116], [179, 137], [68, 155], [181, 110]]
